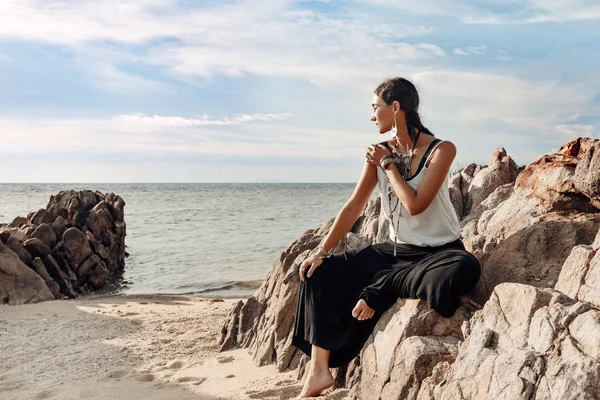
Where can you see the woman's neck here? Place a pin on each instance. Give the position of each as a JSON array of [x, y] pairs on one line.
[[403, 141]]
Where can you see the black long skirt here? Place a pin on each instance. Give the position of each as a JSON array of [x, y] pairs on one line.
[[438, 275]]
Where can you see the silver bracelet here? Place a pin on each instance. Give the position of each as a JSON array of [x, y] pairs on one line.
[[385, 162], [324, 253]]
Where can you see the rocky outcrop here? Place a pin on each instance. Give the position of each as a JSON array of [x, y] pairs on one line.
[[524, 233], [534, 227], [73, 246], [19, 284]]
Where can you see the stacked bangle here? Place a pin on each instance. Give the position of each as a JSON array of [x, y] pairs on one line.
[[324, 253]]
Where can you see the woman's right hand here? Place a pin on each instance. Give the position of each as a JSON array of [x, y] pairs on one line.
[[307, 268]]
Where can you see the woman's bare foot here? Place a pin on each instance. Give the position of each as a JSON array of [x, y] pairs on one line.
[[316, 383], [362, 311]]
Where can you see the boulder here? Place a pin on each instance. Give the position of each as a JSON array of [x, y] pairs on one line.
[[502, 170], [17, 247], [580, 275], [4, 236], [46, 234], [36, 248], [524, 232], [41, 216], [39, 267], [60, 276], [19, 284], [59, 226], [74, 247], [525, 344], [407, 343], [18, 221], [587, 172], [66, 251]]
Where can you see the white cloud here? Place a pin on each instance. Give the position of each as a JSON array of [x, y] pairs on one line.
[[269, 38], [178, 136], [460, 52], [574, 131], [477, 50], [203, 120], [503, 11]]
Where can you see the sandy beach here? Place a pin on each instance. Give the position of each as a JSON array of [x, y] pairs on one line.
[[129, 347]]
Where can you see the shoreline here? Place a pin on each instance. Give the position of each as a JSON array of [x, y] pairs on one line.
[[128, 347]]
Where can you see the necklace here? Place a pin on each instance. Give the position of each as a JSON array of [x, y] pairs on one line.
[[403, 162]]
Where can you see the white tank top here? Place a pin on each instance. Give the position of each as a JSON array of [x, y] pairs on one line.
[[435, 226]]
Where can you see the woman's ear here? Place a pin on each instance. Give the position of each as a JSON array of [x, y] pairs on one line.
[[395, 106]]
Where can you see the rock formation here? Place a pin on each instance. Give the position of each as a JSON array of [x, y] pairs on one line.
[[73, 246], [531, 229]]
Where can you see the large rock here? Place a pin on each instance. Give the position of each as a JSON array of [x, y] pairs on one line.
[[580, 275], [17, 247], [42, 216], [408, 342], [39, 267], [46, 234], [534, 225], [36, 248], [501, 171], [19, 284], [76, 244], [74, 247], [526, 343]]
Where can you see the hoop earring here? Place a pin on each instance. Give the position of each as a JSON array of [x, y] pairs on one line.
[[394, 130]]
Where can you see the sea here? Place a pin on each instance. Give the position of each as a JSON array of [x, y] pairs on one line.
[[206, 239]]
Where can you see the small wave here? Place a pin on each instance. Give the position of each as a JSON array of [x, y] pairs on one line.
[[234, 289]]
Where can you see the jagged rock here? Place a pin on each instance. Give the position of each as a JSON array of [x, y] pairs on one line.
[[527, 237], [17, 247], [99, 276], [580, 275], [86, 257], [408, 342], [19, 284], [523, 345], [59, 226], [587, 172], [86, 267], [45, 233], [4, 236], [42, 216], [39, 267], [502, 170], [456, 197], [60, 276], [467, 175], [36, 248], [552, 179], [18, 221], [74, 247]]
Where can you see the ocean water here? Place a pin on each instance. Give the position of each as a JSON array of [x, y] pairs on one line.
[[200, 239]]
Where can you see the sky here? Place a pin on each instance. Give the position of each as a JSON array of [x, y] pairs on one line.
[[280, 91]]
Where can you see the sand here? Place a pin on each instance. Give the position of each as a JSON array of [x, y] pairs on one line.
[[130, 347]]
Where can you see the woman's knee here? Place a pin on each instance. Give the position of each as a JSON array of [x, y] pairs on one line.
[[468, 271]]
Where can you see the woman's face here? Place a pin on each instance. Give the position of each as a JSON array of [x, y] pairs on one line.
[[382, 115]]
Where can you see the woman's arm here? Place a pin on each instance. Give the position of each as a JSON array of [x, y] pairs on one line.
[[345, 218], [353, 207], [417, 201]]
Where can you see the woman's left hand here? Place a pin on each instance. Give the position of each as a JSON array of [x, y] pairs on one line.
[[375, 153]]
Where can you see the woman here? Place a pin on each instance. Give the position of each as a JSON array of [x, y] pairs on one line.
[[342, 296]]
